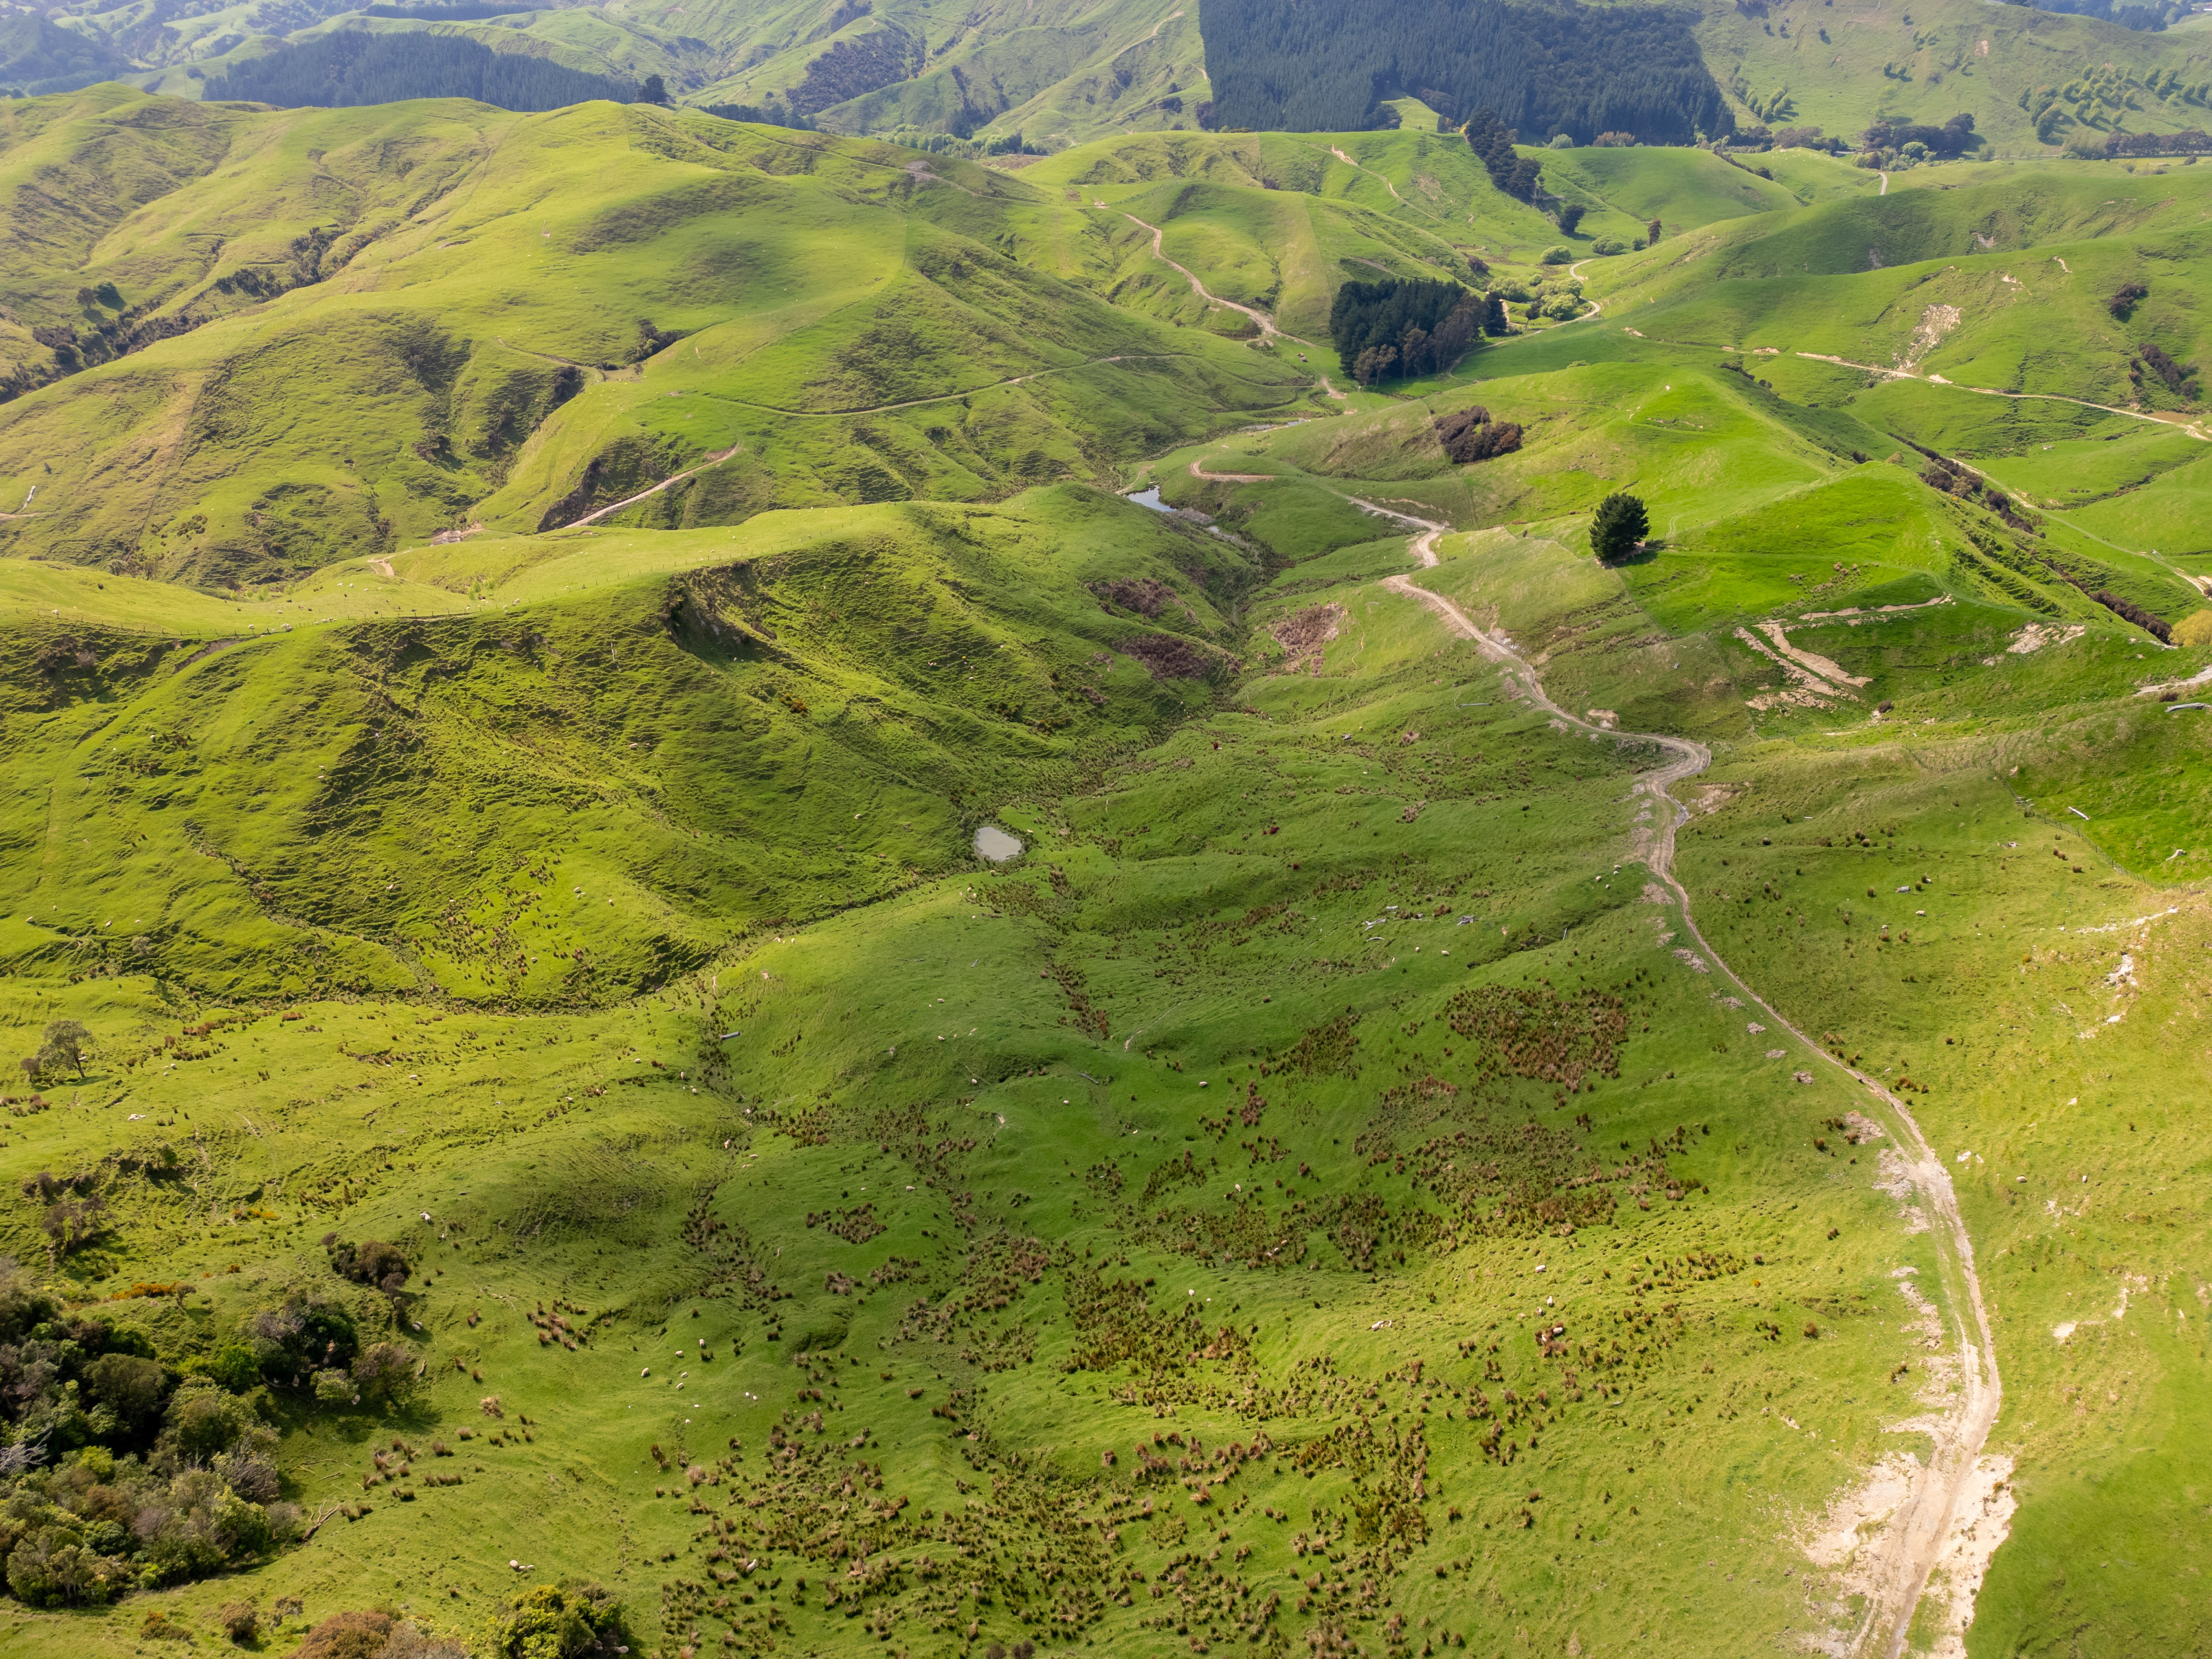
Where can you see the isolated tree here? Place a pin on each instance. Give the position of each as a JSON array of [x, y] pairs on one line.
[[1651, 234], [74, 1223], [1620, 524], [372, 1263], [655, 91], [383, 1372], [66, 1043], [1570, 214], [1494, 320]]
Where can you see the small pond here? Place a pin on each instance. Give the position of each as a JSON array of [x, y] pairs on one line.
[[995, 844]]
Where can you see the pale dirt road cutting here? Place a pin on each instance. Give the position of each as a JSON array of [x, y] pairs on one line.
[[1943, 1487], [2178, 421], [1370, 171], [1267, 328]]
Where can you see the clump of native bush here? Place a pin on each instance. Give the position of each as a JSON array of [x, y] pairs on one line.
[[122, 1467], [560, 1621], [549, 1621], [379, 1265], [374, 1634]]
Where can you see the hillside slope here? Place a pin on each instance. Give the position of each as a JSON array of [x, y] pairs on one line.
[[1991, 278], [1801, 63], [1067, 69], [574, 683], [1070, 71], [547, 314]]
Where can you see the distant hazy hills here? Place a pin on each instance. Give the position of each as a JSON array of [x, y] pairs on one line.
[[1079, 66], [1068, 72]]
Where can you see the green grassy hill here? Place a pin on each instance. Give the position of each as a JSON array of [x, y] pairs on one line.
[[1067, 70], [1840, 70], [500, 901], [543, 332], [2003, 282], [775, 319]]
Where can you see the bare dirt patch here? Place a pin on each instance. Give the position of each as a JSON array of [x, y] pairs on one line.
[[1811, 661], [1979, 1524], [1936, 322], [1306, 636], [1145, 595], [1895, 1179], [1167, 657], [2034, 637]]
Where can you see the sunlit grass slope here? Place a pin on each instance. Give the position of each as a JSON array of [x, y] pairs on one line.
[[2006, 284], [830, 1243], [1840, 70], [521, 319], [1281, 221], [873, 1189], [277, 786]]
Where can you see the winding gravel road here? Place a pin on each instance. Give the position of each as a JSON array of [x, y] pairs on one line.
[[1916, 1537]]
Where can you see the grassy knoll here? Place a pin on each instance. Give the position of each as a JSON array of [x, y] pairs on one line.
[[2006, 284], [1286, 218], [939, 668], [1624, 189]]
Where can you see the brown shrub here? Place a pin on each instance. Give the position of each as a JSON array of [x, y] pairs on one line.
[[1145, 595], [239, 1620], [1165, 657], [360, 1635]]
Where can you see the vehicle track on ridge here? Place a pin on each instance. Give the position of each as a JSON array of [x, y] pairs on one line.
[[1914, 1540], [1267, 328]]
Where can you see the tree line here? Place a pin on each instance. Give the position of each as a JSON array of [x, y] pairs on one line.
[[2192, 142], [339, 71], [761, 115], [1950, 140], [1277, 65], [1491, 141]]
